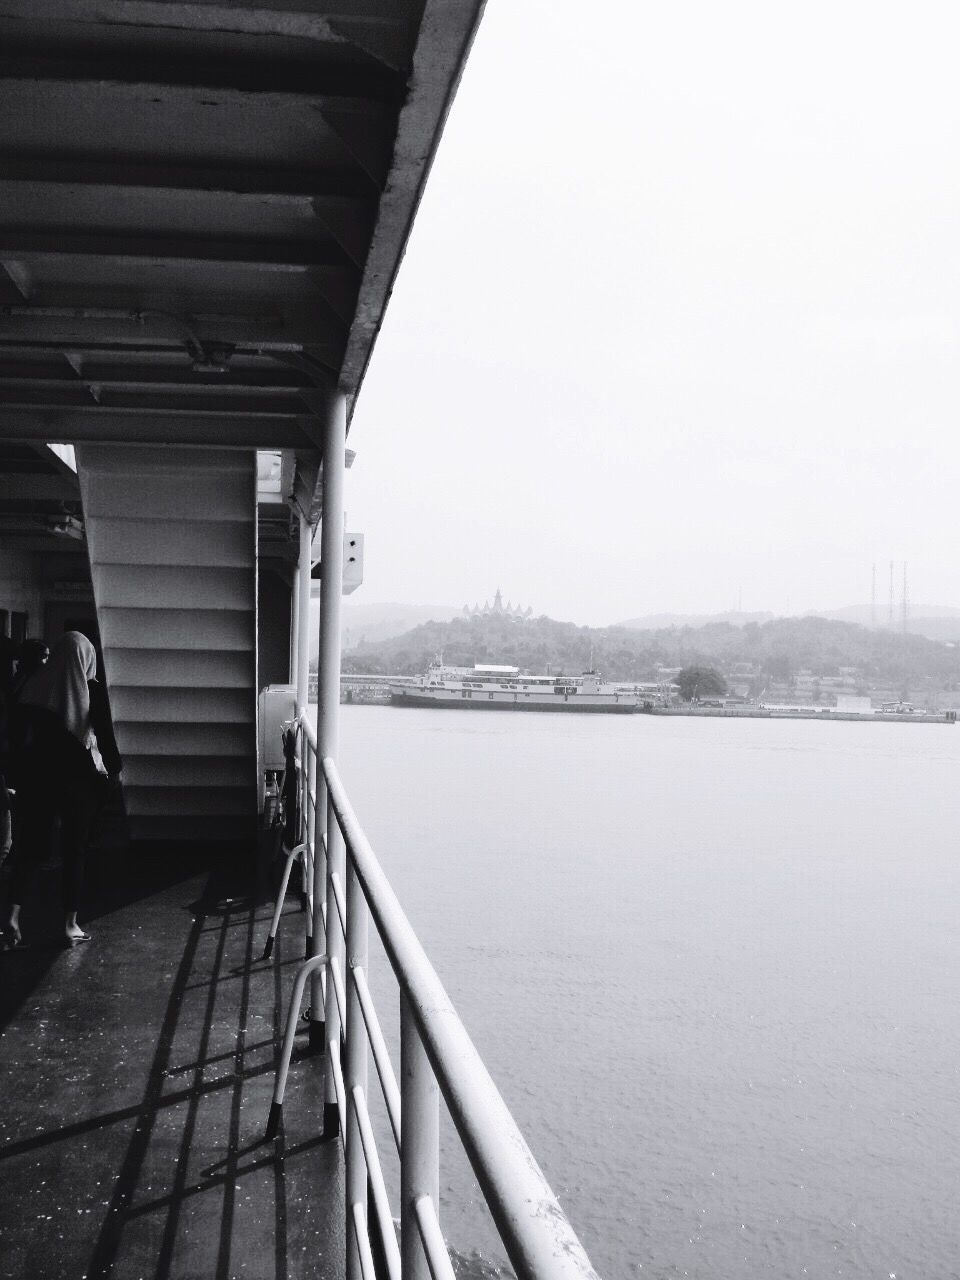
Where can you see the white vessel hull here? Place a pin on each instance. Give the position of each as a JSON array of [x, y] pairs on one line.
[[513, 700]]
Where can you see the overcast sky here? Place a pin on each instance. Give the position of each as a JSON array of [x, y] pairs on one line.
[[678, 316]]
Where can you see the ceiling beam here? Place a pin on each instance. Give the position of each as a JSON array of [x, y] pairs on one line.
[[281, 76], [150, 249], [123, 426], [253, 382], [48, 544], [13, 284], [272, 82], [27, 486], [381, 35], [76, 327], [343, 187], [205, 401], [262, 363]]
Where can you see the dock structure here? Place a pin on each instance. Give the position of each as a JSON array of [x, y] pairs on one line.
[[204, 210]]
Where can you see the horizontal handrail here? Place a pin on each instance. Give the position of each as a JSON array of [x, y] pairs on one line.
[[381, 1055], [381, 1204], [539, 1240]]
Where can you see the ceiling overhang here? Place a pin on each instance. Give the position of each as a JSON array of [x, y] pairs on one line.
[[203, 208]]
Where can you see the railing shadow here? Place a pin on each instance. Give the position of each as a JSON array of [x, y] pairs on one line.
[[200, 1058], [115, 877], [216, 909]]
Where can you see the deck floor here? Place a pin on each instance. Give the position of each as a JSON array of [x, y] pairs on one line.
[[135, 1079]]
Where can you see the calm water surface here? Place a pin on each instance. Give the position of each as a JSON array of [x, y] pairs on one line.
[[713, 966]]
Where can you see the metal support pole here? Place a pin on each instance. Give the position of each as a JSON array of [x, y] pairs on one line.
[[302, 676], [334, 415], [306, 868], [310, 826], [355, 1073], [303, 615], [302, 779], [420, 1142], [294, 629]]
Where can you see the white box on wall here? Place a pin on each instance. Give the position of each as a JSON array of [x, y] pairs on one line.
[[352, 562]]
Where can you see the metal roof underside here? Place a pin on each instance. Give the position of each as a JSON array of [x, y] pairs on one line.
[[203, 207]]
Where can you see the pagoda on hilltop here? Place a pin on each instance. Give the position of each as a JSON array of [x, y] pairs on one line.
[[498, 609]]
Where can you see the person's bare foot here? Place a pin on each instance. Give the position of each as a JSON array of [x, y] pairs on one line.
[[75, 934]]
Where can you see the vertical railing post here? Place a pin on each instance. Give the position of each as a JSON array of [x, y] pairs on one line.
[[294, 629], [336, 950], [302, 679], [334, 427], [302, 835], [309, 836], [355, 1067], [420, 1142], [303, 615], [310, 822]]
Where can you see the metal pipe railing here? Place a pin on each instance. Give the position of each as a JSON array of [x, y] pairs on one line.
[[420, 1152], [434, 1245], [293, 1013], [378, 1186], [367, 1268], [340, 998], [539, 1240], [381, 1055], [356, 1068], [436, 1057], [337, 894]]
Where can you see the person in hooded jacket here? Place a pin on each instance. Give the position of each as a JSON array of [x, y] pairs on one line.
[[63, 750]]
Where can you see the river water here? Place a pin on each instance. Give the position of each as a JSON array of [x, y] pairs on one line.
[[713, 966]]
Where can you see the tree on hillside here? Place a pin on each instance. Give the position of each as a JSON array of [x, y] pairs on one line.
[[780, 667], [700, 682]]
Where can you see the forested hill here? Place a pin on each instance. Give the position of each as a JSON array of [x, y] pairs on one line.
[[779, 648]]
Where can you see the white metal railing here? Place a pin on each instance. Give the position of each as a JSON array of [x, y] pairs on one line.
[[436, 1057]]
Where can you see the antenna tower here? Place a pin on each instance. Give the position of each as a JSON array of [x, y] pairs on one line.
[[873, 596], [904, 608], [890, 619]]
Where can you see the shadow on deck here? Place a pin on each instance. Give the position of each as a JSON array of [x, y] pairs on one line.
[[137, 1074]]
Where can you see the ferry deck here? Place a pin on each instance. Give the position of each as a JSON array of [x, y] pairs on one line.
[[204, 208]]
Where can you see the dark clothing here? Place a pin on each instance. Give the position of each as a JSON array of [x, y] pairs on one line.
[[43, 749], [6, 681], [56, 779], [35, 816]]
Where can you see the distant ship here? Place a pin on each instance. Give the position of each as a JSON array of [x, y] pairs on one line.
[[496, 688]]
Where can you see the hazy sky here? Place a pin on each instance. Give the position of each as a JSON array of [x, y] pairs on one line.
[[679, 316]]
